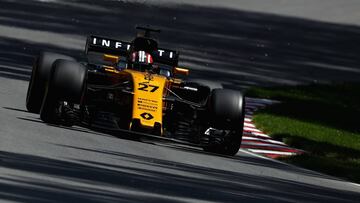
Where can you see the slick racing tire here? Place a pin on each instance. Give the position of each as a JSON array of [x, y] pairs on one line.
[[227, 111], [39, 77], [66, 83]]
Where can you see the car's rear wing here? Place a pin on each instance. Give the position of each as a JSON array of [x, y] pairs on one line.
[[122, 48]]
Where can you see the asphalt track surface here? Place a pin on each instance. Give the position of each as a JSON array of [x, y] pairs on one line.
[[42, 163]]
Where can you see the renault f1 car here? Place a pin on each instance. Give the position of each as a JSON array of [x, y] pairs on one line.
[[135, 87]]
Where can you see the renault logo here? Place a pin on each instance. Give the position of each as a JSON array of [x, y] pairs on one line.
[[146, 116]]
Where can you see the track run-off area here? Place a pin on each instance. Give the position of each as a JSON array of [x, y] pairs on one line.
[[256, 141], [237, 43]]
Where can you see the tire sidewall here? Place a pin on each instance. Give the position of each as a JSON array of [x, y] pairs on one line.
[[39, 77], [226, 112], [67, 83]]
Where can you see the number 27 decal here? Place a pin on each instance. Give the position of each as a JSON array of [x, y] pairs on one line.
[[145, 87]]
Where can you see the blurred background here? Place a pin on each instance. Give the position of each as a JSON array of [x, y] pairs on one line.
[[239, 43]]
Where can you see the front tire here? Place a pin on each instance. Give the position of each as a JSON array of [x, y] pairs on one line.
[[226, 110], [67, 83], [39, 77]]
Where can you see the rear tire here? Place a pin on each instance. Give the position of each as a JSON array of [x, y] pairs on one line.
[[227, 111], [66, 83], [39, 77]]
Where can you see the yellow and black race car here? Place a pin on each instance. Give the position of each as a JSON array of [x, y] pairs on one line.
[[135, 87]]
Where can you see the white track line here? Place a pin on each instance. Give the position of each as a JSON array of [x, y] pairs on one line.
[[249, 125], [260, 101], [256, 134], [260, 151], [248, 120], [270, 145], [263, 140], [263, 157], [252, 130]]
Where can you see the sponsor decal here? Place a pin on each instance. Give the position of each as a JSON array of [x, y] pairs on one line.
[[110, 43], [147, 104], [147, 116], [161, 53], [126, 46]]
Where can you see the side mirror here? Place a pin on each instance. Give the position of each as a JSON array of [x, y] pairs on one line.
[[180, 71], [111, 58]]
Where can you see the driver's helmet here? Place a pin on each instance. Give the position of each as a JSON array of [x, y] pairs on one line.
[[141, 60]]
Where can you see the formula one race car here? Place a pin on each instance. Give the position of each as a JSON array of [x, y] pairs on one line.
[[135, 87]]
